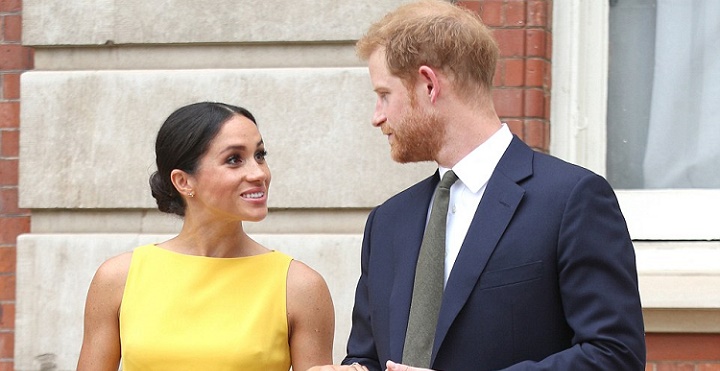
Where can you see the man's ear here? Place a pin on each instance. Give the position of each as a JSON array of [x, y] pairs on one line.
[[431, 82], [182, 182]]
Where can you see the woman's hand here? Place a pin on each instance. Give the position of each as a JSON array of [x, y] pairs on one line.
[[352, 367]]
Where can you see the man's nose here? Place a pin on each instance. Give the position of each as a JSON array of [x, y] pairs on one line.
[[378, 116]]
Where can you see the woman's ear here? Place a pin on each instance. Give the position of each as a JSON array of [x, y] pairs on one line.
[[431, 82], [182, 182]]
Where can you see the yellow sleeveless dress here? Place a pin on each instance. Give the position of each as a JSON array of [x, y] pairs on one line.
[[184, 312]]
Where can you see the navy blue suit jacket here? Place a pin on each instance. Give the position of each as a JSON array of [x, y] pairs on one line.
[[545, 279]]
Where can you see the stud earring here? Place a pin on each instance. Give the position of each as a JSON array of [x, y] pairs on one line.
[[191, 194]]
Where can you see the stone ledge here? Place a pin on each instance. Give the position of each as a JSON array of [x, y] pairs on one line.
[[280, 221], [174, 57], [682, 320], [679, 275]]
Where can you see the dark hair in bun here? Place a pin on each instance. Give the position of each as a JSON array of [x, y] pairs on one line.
[[181, 141]]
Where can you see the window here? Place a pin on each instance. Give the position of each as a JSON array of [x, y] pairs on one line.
[[601, 115], [663, 110]]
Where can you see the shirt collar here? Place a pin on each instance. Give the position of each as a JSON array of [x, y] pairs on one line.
[[475, 169]]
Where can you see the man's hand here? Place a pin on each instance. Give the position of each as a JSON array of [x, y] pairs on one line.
[[392, 366]]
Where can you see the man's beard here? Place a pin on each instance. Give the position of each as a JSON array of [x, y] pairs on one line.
[[417, 137]]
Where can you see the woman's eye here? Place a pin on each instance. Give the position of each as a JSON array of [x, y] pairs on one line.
[[233, 160], [260, 155]]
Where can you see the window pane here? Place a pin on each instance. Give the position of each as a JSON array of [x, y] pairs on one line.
[[663, 94]]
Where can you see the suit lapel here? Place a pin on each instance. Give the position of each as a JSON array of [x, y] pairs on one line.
[[406, 241], [495, 211]]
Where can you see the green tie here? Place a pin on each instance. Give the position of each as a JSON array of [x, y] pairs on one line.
[[429, 276]]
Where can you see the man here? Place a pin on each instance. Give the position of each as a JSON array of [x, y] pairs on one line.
[[539, 268]]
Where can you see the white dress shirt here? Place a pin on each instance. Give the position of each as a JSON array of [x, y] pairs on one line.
[[473, 172]]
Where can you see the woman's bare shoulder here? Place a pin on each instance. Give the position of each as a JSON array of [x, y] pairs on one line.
[[113, 271], [306, 288], [303, 278]]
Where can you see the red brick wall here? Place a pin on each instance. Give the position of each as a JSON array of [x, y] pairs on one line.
[[14, 59], [522, 81], [683, 352]]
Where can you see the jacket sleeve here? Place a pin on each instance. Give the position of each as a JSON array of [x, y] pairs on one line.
[[361, 344], [598, 285]]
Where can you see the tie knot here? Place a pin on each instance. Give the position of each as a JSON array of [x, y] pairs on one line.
[[448, 180]]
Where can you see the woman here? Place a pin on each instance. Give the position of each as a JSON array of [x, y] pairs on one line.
[[210, 298]]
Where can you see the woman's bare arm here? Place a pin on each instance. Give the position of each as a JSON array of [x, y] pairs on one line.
[[101, 335], [311, 318]]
